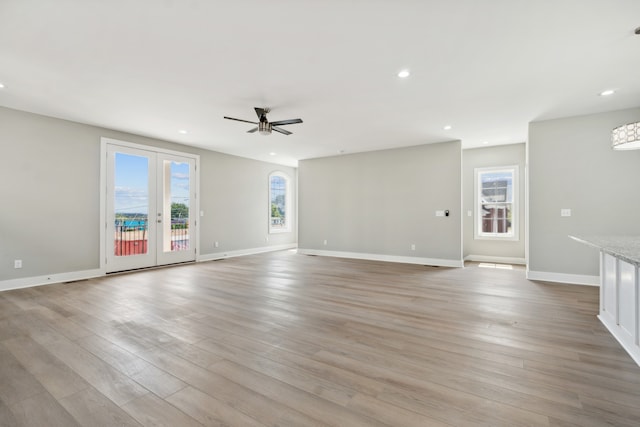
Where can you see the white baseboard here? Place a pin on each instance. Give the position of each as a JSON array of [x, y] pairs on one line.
[[242, 252], [388, 258], [28, 282], [496, 259], [572, 279]]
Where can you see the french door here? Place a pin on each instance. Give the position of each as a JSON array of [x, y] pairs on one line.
[[150, 208]]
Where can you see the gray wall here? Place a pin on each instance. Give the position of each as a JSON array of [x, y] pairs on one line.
[[381, 202], [49, 188], [502, 155], [572, 165]]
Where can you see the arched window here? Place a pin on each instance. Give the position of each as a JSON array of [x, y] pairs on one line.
[[279, 203]]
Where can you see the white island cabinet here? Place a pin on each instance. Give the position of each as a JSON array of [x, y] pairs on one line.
[[619, 292]]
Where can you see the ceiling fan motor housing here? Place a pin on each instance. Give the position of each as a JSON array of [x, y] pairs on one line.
[[264, 128]]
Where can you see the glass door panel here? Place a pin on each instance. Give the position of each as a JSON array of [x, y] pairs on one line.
[[130, 209], [177, 203]]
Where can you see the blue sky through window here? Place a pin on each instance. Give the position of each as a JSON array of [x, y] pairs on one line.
[[132, 183]]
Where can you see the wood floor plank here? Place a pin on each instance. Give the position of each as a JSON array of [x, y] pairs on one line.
[[109, 330], [446, 395], [243, 399], [285, 339], [193, 353], [144, 373], [16, 383], [56, 377], [152, 411], [42, 410], [7, 309], [91, 408], [340, 378], [8, 330], [115, 385], [61, 324], [285, 372], [391, 414], [312, 406], [6, 416], [210, 411]]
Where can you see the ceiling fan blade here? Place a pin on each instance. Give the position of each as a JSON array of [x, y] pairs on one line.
[[252, 130], [286, 122], [240, 120], [261, 111], [282, 131]]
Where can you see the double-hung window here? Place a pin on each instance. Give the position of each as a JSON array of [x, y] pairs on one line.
[[496, 207]]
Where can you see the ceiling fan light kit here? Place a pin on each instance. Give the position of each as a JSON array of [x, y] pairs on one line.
[[264, 125]]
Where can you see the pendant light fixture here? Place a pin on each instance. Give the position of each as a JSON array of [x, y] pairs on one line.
[[626, 137]]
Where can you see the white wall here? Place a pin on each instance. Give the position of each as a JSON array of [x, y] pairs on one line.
[[493, 250], [49, 192], [572, 165], [377, 204]]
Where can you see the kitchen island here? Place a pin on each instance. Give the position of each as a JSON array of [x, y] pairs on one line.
[[619, 292]]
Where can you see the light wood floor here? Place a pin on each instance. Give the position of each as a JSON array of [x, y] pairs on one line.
[[285, 339]]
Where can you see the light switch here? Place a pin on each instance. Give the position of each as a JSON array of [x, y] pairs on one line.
[[565, 212]]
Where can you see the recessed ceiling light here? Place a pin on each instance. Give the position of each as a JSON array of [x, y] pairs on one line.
[[447, 127], [404, 74], [272, 153], [607, 92], [183, 132]]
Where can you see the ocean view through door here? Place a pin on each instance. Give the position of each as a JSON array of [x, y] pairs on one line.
[[150, 207]]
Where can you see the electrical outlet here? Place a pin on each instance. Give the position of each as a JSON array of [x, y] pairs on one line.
[[266, 238], [413, 246], [565, 212], [325, 242], [216, 244], [439, 213], [17, 263]]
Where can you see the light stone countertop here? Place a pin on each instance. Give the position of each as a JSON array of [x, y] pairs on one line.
[[627, 248]]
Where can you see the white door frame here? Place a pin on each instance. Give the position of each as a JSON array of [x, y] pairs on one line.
[[104, 142]]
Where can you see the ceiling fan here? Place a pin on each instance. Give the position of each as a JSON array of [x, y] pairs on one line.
[[265, 126]]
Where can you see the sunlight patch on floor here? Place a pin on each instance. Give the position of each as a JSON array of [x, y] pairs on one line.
[[499, 266]]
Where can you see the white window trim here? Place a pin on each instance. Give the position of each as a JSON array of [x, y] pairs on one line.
[[287, 203], [477, 218]]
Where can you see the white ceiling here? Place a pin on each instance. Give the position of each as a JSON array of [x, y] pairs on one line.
[[153, 67]]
